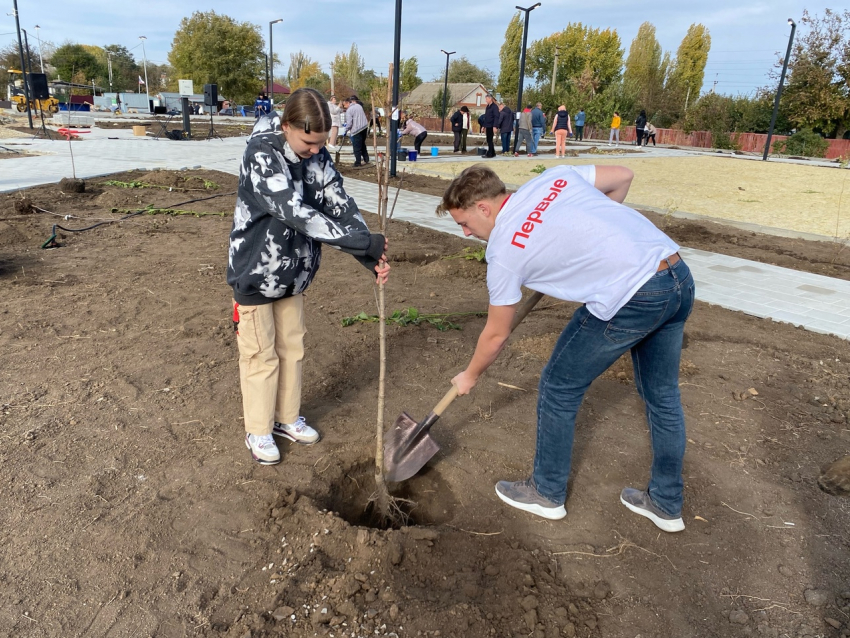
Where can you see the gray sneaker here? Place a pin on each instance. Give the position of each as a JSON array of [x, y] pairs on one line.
[[639, 502], [523, 495]]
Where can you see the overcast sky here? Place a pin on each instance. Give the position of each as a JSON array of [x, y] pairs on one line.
[[745, 36]]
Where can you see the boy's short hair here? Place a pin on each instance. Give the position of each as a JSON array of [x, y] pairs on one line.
[[474, 184]]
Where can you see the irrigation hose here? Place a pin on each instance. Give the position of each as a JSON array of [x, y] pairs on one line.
[[51, 241]]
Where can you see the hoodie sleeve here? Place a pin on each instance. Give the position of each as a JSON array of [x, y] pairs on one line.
[[338, 224]]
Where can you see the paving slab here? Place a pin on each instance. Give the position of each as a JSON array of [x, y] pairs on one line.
[[817, 303]]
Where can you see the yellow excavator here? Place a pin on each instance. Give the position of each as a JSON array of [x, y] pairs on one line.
[[16, 95]]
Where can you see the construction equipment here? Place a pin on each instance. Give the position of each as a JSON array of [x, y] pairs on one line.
[[15, 94], [408, 445]]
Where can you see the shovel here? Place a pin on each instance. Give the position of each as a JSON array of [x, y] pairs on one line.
[[408, 445]]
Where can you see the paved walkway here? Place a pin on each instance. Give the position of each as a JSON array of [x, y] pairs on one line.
[[818, 303]]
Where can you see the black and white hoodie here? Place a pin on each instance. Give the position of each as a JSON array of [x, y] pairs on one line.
[[286, 208]]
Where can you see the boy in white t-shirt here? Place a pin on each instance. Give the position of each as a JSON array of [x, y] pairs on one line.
[[567, 234]]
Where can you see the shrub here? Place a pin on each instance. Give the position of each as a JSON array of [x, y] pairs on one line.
[[804, 142]]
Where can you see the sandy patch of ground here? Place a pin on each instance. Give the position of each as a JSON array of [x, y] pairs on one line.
[[790, 196]]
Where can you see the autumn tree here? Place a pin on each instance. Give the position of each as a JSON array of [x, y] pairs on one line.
[[688, 72], [408, 74], [77, 61], [817, 95], [304, 71], [462, 70], [10, 58], [645, 72], [350, 67], [209, 48], [125, 69], [509, 59]]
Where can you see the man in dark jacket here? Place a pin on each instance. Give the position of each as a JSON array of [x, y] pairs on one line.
[[538, 125], [506, 125], [457, 125], [491, 122]]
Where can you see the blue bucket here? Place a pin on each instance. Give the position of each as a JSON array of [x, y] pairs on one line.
[[435, 151], [411, 156]]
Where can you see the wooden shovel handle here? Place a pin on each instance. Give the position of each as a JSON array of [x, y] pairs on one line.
[[521, 314]]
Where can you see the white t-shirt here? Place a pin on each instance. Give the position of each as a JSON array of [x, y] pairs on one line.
[[561, 236]]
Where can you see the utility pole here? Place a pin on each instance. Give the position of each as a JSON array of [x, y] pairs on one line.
[[687, 97], [271, 60], [714, 86], [333, 92], [23, 64], [779, 90], [445, 89], [109, 67], [555, 68]]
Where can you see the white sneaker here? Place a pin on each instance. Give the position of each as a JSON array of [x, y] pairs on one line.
[[263, 448], [299, 432]]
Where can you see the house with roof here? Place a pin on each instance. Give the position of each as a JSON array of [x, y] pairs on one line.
[[468, 94]]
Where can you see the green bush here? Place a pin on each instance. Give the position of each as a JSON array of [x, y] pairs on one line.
[[804, 142], [723, 140]]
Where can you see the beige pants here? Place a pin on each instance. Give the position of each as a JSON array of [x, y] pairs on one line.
[[271, 348]]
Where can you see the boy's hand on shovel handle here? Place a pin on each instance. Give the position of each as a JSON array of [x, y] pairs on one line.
[[464, 382]]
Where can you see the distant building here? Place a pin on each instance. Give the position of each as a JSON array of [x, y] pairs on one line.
[[468, 94]]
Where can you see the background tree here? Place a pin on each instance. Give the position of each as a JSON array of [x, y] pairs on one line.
[[644, 75], [303, 69], [688, 72], [77, 61], [437, 103], [125, 70], [350, 68], [209, 48], [817, 95], [462, 70], [509, 54], [408, 74], [10, 59]]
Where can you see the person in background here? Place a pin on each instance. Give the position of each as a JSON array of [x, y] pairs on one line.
[[418, 132], [506, 126], [649, 133], [491, 123], [524, 132], [290, 202], [615, 129], [640, 127], [538, 125], [336, 122], [465, 126], [580, 117], [357, 126], [457, 122], [561, 128]]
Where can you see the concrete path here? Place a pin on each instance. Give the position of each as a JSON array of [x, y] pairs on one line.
[[818, 303]]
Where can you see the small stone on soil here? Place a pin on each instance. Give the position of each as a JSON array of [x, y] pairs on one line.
[[739, 617], [817, 597]]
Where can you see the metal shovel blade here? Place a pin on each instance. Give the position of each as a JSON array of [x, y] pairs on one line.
[[408, 446]]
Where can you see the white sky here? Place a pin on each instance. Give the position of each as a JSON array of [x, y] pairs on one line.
[[746, 36]]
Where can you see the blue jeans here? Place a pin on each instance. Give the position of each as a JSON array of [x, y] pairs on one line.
[[506, 142], [536, 133], [651, 325]]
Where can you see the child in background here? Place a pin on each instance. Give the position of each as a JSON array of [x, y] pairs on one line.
[[615, 129]]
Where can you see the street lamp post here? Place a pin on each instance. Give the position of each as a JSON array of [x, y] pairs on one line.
[[779, 90], [23, 64], [40, 59], [445, 89], [394, 112], [145, 62], [271, 61], [109, 68], [28, 68], [522, 68]]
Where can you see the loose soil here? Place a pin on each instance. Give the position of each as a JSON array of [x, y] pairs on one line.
[[132, 508]]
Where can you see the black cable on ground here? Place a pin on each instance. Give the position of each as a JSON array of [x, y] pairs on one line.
[[51, 241]]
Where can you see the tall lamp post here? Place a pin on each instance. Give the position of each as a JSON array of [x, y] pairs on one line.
[[266, 56], [779, 90], [522, 69], [394, 112], [145, 62], [445, 89], [271, 61], [40, 59], [23, 64], [109, 68]]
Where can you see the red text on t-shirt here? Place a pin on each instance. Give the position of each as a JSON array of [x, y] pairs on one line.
[[534, 217]]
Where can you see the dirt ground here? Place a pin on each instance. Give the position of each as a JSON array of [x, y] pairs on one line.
[[132, 508], [809, 199]]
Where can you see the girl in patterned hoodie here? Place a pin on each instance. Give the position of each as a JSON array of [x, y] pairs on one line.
[[290, 201]]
